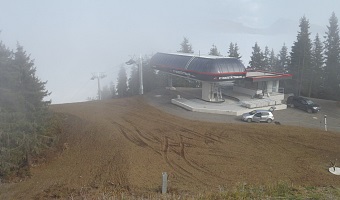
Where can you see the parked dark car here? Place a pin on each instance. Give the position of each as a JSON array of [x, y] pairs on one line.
[[303, 104]]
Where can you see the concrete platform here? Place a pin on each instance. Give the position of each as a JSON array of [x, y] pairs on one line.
[[229, 107], [235, 103]]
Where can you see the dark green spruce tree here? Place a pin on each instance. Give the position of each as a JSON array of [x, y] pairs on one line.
[[257, 59], [23, 113], [30, 86], [283, 60], [233, 51], [214, 51], [186, 47], [300, 66], [317, 72], [266, 57], [332, 57], [273, 62]]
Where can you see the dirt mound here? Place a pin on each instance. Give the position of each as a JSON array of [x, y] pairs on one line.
[[125, 145]]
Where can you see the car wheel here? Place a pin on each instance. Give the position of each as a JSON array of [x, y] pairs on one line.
[[269, 120], [309, 110], [249, 120]]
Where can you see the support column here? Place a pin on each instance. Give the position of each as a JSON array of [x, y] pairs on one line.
[[277, 85], [170, 80], [269, 87], [206, 91], [211, 92]]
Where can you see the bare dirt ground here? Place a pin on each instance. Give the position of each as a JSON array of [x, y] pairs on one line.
[[124, 145]]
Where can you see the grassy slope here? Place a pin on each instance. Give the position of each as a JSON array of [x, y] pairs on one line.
[[124, 145]]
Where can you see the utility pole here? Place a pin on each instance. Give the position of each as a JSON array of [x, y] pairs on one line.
[[98, 76], [140, 70], [140, 75]]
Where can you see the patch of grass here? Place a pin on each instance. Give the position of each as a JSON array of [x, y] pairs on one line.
[[279, 190]]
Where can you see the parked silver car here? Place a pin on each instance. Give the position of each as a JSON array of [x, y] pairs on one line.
[[258, 116]]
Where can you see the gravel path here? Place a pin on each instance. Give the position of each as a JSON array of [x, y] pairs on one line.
[[162, 100]]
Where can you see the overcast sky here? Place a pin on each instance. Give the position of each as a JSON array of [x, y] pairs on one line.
[[71, 39]]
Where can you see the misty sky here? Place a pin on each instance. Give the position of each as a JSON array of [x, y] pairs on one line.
[[71, 39]]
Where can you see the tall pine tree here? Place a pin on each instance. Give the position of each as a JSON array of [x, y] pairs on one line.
[[273, 62], [257, 59], [317, 76], [23, 112], [186, 47], [301, 59], [30, 86], [283, 60], [214, 51], [332, 57], [266, 62], [233, 51]]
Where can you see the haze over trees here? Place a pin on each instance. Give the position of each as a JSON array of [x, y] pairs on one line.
[[122, 87]]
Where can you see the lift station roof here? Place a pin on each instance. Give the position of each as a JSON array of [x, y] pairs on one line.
[[202, 68]]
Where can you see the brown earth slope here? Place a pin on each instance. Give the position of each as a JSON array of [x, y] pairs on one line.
[[126, 144]]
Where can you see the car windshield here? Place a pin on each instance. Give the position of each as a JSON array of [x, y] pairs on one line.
[[252, 112], [309, 102]]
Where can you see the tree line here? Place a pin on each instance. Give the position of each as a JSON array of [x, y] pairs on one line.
[[315, 65]]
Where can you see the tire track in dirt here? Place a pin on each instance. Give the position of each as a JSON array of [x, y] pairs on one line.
[[179, 168], [207, 139], [131, 138], [144, 136], [179, 146], [167, 160], [134, 139], [168, 147], [181, 128], [192, 163]]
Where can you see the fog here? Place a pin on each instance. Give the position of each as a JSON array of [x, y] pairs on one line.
[[72, 39]]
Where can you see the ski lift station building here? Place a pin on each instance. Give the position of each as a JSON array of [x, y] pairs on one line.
[[223, 77]]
